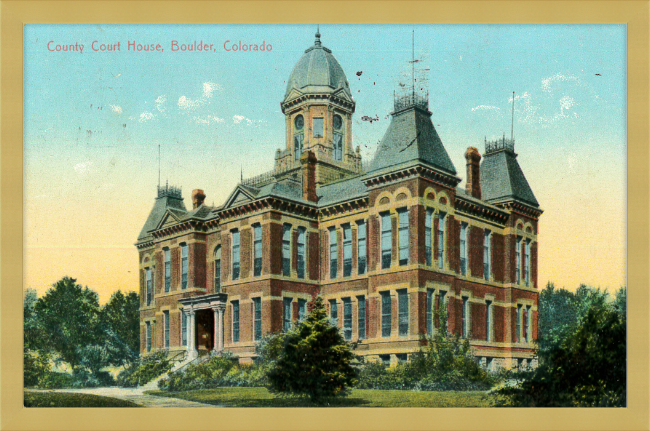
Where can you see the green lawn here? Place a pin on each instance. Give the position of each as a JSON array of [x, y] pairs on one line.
[[52, 399], [261, 397]]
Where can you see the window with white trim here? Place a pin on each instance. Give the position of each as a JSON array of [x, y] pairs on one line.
[[428, 236], [347, 319], [235, 255], [442, 218], [361, 248], [183, 329], [386, 240], [527, 262], [463, 248], [361, 318], [385, 314], [286, 250], [487, 253], [429, 312], [333, 253], [235, 321], [334, 313], [166, 323], [302, 309], [148, 336], [403, 231], [149, 285], [488, 320], [300, 264], [217, 269], [403, 312], [257, 250], [184, 265], [168, 269], [286, 314], [518, 261], [257, 319], [465, 317], [347, 250]]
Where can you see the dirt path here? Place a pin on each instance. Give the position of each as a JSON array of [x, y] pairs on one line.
[[135, 395]]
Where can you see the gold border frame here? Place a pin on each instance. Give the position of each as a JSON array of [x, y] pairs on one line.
[[13, 14]]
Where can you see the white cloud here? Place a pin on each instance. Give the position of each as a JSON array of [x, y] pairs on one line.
[[486, 108], [208, 119], [208, 90], [186, 103], [116, 108], [146, 116], [239, 118], [82, 168], [160, 102], [558, 77]]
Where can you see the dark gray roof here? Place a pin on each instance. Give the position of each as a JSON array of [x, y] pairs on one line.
[[202, 213], [502, 179], [341, 191], [282, 189], [158, 211], [411, 137]]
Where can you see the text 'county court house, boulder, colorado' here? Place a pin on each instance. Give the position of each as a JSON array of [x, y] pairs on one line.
[[388, 245]]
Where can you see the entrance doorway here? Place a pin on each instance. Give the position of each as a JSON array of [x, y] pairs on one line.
[[204, 331]]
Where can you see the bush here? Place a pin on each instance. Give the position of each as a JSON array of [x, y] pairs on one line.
[[144, 370], [36, 367], [54, 380]]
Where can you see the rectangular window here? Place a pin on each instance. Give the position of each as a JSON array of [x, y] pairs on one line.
[[184, 266], [487, 254], [183, 329], [401, 357], [518, 261], [334, 313], [257, 318], [465, 316], [286, 314], [148, 278], [302, 309], [361, 248], [257, 250], [338, 147], [235, 321], [318, 127], [518, 331], [286, 250], [347, 318], [488, 320], [148, 336], [235, 255], [463, 248], [429, 312], [217, 275], [527, 263], [302, 233], [361, 322], [441, 239], [168, 269], [428, 237], [297, 144], [403, 309], [386, 241], [166, 319], [385, 314], [347, 250], [385, 359], [333, 253], [403, 236], [529, 323]]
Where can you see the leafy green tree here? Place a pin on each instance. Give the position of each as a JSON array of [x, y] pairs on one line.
[[120, 323], [34, 339], [69, 315], [315, 360]]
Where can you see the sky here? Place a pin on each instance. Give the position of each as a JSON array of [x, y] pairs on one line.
[[94, 122]]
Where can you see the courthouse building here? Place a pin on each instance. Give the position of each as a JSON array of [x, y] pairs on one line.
[[394, 246]]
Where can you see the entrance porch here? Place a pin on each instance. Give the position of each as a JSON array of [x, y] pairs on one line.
[[204, 329]]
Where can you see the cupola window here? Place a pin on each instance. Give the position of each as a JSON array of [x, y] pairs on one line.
[[318, 127], [338, 137], [298, 136]]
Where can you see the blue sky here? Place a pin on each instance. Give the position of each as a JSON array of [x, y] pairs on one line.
[[93, 121]]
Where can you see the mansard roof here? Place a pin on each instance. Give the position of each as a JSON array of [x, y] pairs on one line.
[[168, 199], [410, 138], [341, 191], [502, 179]]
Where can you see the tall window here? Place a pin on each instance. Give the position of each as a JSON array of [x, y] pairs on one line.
[[527, 263], [302, 309], [347, 318], [429, 312], [168, 269], [235, 255], [299, 135], [487, 254], [148, 336], [338, 147], [518, 261], [286, 250], [488, 320], [403, 308], [385, 314], [235, 321], [403, 236], [334, 313], [166, 318], [529, 323], [333, 253], [441, 239], [519, 331], [183, 329], [148, 278], [463, 248], [257, 319], [217, 269], [361, 248], [386, 240], [428, 236], [465, 316], [318, 127], [257, 250], [361, 322], [286, 314], [302, 233], [183, 266], [347, 250]]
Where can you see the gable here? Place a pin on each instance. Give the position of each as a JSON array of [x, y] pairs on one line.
[[168, 219], [239, 196]]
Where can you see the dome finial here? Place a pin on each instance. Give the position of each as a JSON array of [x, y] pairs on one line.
[[317, 41]]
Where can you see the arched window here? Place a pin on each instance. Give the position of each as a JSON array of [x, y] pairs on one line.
[[217, 269]]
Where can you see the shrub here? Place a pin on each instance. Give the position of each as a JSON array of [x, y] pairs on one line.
[[36, 367], [144, 370]]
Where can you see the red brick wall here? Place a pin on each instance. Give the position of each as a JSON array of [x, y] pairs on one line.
[[498, 257], [416, 234], [245, 252], [313, 255], [478, 321], [500, 324], [226, 255], [197, 264], [275, 237], [373, 242]]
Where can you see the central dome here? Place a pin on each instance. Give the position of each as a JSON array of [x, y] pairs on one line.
[[318, 71]]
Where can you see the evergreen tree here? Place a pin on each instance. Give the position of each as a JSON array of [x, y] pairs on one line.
[[315, 361]]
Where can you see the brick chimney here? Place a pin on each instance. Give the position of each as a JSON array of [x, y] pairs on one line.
[[308, 167], [473, 180], [197, 198]]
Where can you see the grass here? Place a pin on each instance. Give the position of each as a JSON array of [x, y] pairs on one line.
[[261, 397], [52, 399]]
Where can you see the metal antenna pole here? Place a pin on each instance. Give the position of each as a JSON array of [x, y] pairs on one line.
[[512, 126], [413, 64]]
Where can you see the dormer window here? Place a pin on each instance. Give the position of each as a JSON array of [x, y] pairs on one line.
[[318, 127]]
